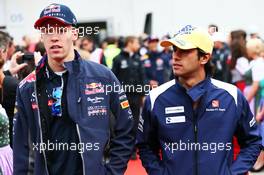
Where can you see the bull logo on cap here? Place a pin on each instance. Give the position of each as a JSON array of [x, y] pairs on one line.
[[53, 8]]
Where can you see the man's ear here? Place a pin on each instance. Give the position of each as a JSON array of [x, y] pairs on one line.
[[205, 59], [74, 34]]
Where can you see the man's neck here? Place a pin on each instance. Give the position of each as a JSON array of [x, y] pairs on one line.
[[191, 81], [58, 65]]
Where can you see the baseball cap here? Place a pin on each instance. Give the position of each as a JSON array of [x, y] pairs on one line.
[[58, 12], [190, 37], [153, 39]]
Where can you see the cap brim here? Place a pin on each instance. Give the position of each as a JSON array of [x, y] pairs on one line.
[[153, 40], [39, 23], [178, 43]]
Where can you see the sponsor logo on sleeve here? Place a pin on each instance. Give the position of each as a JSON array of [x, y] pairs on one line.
[[124, 104], [252, 122], [215, 106]]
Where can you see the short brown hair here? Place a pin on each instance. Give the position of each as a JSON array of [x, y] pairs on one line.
[[4, 41], [129, 39]]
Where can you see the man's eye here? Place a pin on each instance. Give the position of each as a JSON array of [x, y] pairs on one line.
[[61, 30], [43, 31], [174, 48]]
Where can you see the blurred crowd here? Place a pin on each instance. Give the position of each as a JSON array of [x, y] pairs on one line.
[[138, 60]]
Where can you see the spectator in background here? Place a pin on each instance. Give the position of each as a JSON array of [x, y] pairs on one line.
[[77, 43], [144, 45], [77, 46], [28, 45], [260, 110], [10, 51], [129, 70], [254, 32], [96, 54], [255, 74], [239, 64], [212, 28], [6, 153], [239, 35], [8, 85], [103, 44], [256, 52], [111, 51], [13, 67], [220, 57], [253, 77], [166, 55], [153, 63], [121, 42]]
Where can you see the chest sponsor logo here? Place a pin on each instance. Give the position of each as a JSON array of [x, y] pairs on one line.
[[159, 63], [176, 119], [147, 63], [215, 107], [135, 63], [215, 103], [95, 100], [97, 110], [94, 88], [173, 110]]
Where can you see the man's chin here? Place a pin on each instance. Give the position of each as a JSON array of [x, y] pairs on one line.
[[57, 57]]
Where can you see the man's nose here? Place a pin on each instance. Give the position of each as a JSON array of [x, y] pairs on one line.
[[176, 55], [54, 38]]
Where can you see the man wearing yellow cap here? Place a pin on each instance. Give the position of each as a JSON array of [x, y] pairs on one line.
[[187, 124]]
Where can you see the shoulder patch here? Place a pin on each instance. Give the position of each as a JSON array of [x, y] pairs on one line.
[[154, 93], [30, 78]]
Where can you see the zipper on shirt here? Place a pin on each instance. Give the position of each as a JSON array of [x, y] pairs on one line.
[[78, 131], [196, 141], [39, 120], [196, 151]]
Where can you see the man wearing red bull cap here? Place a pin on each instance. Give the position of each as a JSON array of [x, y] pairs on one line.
[[193, 118], [63, 121]]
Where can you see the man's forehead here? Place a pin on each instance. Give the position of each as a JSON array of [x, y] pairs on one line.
[[185, 50]]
